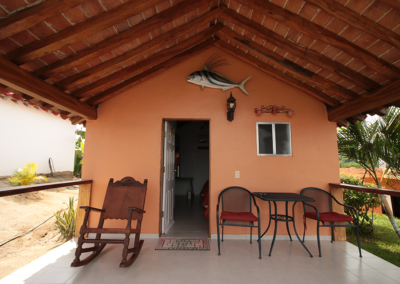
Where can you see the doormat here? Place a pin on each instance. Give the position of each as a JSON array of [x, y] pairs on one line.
[[183, 244]]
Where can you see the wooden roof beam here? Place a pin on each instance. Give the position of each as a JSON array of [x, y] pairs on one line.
[[79, 31], [146, 64], [289, 66], [386, 95], [120, 39], [309, 28], [77, 119], [276, 73], [32, 16], [150, 73], [20, 80], [303, 53], [356, 20], [138, 52]]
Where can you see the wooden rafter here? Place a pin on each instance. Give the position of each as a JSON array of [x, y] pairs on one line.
[[309, 28], [20, 80], [356, 20], [32, 16], [304, 74], [276, 73], [77, 119], [79, 31], [120, 39], [134, 54], [303, 53], [386, 95], [150, 73], [146, 64]]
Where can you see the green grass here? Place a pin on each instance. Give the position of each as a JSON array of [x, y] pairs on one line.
[[383, 242]]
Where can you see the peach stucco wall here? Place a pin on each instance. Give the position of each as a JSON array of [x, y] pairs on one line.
[[125, 140]]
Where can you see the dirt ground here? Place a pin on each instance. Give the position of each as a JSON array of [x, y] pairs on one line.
[[19, 213]]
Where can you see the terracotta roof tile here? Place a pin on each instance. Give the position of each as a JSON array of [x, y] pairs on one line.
[[390, 20], [149, 12], [75, 15], [78, 46], [375, 11], [12, 5], [180, 21], [308, 11], [392, 55], [246, 11], [134, 20], [359, 6], [92, 8], [41, 30], [294, 6], [336, 25], [257, 17], [132, 44], [23, 38], [163, 6], [58, 23], [269, 23], [203, 9], [110, 4]]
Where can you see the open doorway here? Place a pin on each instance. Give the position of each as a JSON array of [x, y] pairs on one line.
[[184, 200]]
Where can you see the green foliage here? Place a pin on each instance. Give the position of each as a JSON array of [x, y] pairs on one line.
[[66, 222], [79, 150], [383, 242], [77, 164], [359, 143], [347, 163], [361, 201], [26, 175]]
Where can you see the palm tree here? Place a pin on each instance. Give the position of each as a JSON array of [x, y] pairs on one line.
[[366, 143], [389, 151]]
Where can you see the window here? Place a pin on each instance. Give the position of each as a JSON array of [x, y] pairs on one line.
[[273, 139]]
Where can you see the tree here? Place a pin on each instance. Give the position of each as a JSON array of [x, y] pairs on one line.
[[389, 151], [365, 143]]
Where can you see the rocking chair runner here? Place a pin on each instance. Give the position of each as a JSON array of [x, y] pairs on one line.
[[124, 200]]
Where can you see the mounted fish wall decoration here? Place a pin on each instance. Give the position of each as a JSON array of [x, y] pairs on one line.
[[207, 78]]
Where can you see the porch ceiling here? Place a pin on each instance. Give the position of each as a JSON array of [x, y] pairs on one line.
[[70, 56]]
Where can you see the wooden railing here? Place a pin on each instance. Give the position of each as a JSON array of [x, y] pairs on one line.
[[336, 189], [366, 189], [85, 188]]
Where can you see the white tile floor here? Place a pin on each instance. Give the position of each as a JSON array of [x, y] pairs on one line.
[[238, 263]]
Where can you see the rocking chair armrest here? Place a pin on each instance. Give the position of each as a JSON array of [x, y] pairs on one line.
[[88, 208], [136, 209]]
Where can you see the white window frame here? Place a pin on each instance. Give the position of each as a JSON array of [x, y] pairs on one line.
[[274, 139]]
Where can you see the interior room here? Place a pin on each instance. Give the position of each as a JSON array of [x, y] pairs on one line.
[[191, 180]]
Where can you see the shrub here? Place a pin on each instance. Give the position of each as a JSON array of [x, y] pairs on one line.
[[363, 202], [66, 222], [26, 175]]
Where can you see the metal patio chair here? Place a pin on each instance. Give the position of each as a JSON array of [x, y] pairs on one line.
[[322, 212], [236, 210], [124, 200]]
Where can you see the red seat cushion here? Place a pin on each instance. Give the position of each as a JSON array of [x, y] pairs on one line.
[[238, 216], [329, 217]]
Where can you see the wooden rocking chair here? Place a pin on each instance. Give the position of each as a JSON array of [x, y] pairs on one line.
[[124, 200]]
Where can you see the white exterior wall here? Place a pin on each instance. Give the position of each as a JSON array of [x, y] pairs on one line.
[[31, 135]]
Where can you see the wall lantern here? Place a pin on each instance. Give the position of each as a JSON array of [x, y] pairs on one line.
[[273, 109], [231, 104]]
